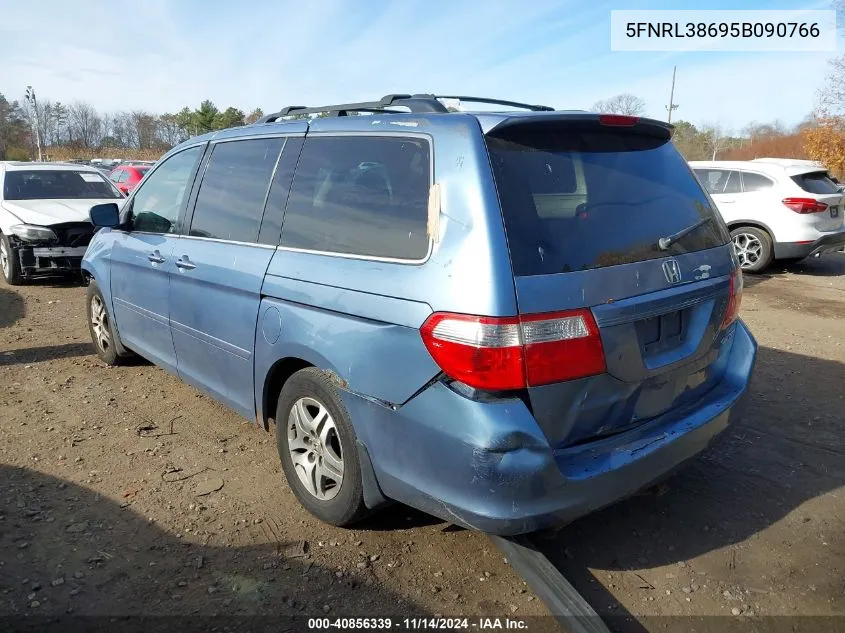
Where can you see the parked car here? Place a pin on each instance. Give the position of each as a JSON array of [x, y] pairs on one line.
[[507, 320], [127, 177], [44, 225], [775, 210]]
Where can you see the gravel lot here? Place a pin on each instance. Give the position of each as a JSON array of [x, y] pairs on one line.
[[101, 471]]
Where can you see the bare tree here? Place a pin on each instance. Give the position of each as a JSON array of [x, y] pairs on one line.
[[715, 139], [170, 131], [624, 103], [85, 124], [144, 129]]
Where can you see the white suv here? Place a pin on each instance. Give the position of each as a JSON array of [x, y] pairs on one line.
[[775, 209]]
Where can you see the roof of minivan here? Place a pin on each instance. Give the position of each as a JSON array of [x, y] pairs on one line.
[[12, 165], [765, 167], [411, 122]]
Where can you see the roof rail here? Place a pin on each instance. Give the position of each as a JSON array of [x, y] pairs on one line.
[[417, 103], [501, 102]]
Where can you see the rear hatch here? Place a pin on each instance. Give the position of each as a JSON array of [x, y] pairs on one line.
[[817, 185], [585, 202]]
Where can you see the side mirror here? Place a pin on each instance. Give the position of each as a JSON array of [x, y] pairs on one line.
[[105, 215]]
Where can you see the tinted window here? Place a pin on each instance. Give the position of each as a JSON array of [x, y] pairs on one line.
[[155, 207], [575, 199], [816, 182], [231, 198], [271, 224], [733, 184], [361, 195], [755, 182], [56, 184], [719, 180]]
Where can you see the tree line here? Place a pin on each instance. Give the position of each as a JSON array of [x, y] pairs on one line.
[[79, 130]]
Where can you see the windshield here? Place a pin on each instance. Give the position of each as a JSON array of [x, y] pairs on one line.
[[56, 184], [575, 199]]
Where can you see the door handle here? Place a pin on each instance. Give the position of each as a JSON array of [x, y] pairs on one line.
[[184, 263], [155, 257]]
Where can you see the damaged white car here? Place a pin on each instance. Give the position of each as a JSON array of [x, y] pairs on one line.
[[44, 225]]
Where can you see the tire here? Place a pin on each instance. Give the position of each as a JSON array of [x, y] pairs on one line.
[[311, 450], [9, 263], [100, 326], [753, 248]]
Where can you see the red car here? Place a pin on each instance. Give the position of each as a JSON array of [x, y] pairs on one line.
[[127, 177]]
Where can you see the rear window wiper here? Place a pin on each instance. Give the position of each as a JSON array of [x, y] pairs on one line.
[[665, 242]]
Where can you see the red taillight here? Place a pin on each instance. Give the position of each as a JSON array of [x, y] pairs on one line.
[[501, 353], [619, 120], [805, 205], [734, 300]]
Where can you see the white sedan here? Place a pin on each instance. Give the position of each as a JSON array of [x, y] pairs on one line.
[[44, 225]]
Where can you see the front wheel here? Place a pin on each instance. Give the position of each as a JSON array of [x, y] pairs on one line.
[[317, 447], [753, 248], [100, 326], [9, 263]]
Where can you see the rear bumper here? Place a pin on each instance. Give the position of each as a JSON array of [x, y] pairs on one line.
[[826, 243], [488, 466]]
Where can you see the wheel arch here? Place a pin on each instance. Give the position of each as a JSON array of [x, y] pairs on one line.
[[274, 381], [737, 224]]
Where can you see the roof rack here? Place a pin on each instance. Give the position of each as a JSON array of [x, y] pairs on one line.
[[417, 103]]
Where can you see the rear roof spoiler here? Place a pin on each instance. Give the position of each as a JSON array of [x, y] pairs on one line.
[[639, 125]]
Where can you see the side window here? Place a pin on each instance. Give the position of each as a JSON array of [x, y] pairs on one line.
[[361, 195], [271, 224], [231, 197], [714, 180], [115, 176], [755, 182], [123, 176], [733, 184], [155, 207]]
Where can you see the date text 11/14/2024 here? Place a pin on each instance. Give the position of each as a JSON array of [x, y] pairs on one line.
[[418, 624]]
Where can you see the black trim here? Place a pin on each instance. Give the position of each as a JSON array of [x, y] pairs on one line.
[[417, 104], [825, 244]]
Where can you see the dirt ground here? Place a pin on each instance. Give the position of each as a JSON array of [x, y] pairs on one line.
[[101, 471]]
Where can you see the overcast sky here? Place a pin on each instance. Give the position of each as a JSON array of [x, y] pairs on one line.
[[161, 55]]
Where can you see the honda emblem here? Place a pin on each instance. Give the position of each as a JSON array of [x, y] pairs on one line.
[[672, 271]]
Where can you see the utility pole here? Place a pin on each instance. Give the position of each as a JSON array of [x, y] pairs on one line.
[[30, 98], [672, 105]]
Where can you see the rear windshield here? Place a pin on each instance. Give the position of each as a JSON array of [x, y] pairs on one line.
[[576, 199], [56, 184], [816, 182]]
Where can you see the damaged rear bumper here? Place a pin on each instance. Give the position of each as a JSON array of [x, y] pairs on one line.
[[488, 466]]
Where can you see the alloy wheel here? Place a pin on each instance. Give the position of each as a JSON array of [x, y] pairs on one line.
[[100, 324], [4, 258], [748, 249], [315, 450]]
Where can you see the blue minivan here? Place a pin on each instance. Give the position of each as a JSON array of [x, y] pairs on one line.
[[505, 319]]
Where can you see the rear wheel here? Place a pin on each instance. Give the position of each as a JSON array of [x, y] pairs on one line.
[[9, 263], [753, 248], [317, 447]]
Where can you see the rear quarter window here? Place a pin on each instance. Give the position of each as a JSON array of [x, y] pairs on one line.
[[817, 182], [361, 195], [575, 199]]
